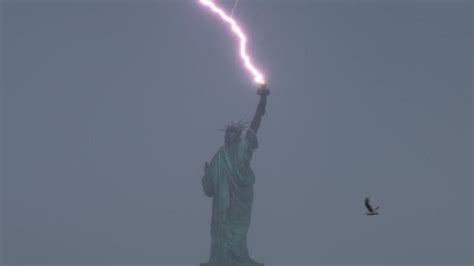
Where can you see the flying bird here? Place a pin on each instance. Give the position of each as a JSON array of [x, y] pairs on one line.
[[371, 211]]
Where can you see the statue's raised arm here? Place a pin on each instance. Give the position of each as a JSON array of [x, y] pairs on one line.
[[263, 91]]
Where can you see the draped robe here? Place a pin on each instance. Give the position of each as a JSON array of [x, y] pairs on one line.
[[229, 182]]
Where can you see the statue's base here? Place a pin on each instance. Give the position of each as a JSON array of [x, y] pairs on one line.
[[253, 263]]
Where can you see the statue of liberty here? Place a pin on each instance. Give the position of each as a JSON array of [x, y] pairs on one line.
[[229, 180]]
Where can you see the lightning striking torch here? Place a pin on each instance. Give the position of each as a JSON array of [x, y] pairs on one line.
[[237, 30]]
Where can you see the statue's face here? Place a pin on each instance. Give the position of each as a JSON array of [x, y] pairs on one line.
[[231, 137]]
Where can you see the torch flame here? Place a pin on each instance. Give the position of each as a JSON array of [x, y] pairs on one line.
[[258, 77]]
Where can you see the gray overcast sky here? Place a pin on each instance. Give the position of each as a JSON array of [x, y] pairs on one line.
[[110, 109]]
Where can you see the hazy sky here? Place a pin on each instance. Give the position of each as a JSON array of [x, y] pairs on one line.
[[111, 108]]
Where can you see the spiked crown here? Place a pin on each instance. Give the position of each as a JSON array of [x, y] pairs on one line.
[[237, 127]]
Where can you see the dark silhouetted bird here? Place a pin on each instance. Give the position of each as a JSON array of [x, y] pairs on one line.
[[371, 211]]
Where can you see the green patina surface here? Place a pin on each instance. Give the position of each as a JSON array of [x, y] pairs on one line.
[[229, 180]]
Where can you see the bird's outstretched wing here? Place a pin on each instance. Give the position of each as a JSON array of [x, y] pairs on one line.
[[367, 205]]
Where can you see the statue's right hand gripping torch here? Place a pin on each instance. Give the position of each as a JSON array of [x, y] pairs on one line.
[[263, 91]]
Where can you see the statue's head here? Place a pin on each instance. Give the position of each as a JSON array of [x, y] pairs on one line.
[[233, 132]]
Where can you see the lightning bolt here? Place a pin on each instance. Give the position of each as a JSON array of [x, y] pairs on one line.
[[233, 9], [236, 29]]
